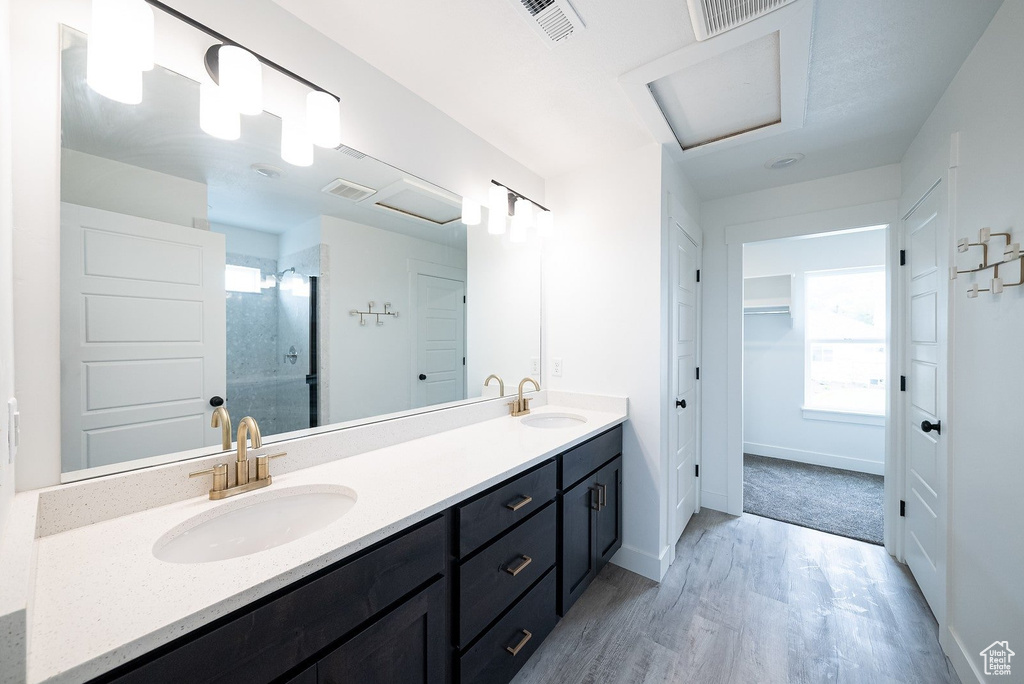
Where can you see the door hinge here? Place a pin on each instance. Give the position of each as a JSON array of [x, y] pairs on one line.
[[903, 257], [903, 509], [903, 383], [698, 372], [463, 360], [463, 299], [696, 469], [698, 275]]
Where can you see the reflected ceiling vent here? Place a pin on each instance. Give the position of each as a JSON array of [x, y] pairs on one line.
[[345, 149], [347, 189], [711, 17], [554, 20], [417, 199]]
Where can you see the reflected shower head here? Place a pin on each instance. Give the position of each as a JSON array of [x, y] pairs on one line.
[[280, 275]]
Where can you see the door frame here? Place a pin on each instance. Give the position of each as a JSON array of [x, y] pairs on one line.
[[691, 228], [884, 213], [416, 268]]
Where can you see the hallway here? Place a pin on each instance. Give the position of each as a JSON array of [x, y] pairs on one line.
[[750, 600]]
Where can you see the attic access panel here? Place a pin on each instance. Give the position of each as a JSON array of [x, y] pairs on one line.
[[724, 96], [416, 199]]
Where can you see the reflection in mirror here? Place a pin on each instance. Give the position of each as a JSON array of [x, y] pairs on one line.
[[198, 272]]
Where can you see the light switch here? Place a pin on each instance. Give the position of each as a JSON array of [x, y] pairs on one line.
[[556, 367]]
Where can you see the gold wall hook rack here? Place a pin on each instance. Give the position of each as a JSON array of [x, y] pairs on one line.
[[1011, 253], [363, 315]]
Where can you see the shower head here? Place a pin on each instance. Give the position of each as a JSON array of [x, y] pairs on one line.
[[280, 275]]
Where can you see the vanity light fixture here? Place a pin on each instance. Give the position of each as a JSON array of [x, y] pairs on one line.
[[217, 116], [296, 147], [470, 211], [497, 209], [239, 75], [323, 117], [120, 48], [545, 223], [521, 220]]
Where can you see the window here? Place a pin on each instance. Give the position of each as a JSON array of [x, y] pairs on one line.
[[242, 279], [845, 340]]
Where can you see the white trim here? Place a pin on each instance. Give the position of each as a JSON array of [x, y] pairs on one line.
[[811, 413], [960, 657], [643, 563], [793, 22], [860, 465], [714, 500]]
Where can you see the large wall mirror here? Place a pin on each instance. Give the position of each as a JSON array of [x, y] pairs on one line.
[[198, 272]]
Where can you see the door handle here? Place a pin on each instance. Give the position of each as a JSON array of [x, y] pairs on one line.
[[928, 426], [216, 401], [422, 376], [595, 505], [680, 403], [602, 496]]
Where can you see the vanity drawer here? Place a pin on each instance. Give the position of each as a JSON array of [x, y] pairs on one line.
[[491, 661], [589, 456], [490, 515], [486, 583], [261, 644]]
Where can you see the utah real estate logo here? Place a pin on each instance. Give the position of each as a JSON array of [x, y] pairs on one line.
[[997, 658]]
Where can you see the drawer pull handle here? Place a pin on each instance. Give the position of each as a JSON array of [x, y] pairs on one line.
[[519, 504], [602, 496], [595, 501], [514, 650], [519, 568]]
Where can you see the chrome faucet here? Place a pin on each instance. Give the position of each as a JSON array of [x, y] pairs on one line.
[[248, 430], [501, 383], [222, 419], [521, 406]]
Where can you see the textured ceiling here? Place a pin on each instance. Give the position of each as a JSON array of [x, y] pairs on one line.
[[878, 67]]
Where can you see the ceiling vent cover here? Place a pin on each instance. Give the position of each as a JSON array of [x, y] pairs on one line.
[[347, 189], [553, 20], [711, 17]]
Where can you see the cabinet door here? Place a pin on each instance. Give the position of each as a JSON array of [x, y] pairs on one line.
[[406, 646], [307, 676], [579, 556], [609, 516]]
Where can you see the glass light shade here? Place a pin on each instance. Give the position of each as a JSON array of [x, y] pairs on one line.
[[217, 116], [524, 210], [323, 117], [240, 76], [296, 147], [470, 211], [497, 210], [120, 48], [545, 224], [520, 225]]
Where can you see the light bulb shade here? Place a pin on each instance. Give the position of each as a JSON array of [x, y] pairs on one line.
[[497, 210], [520, 226], [217, 116], [524, 209], [545, 224], [470, 211], [120, 48], [240, 76], [296, 147], [323, 117]]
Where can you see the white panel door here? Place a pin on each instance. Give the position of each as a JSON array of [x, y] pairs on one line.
[[683, 383], [926, 291], [440, 341], [142, 337]]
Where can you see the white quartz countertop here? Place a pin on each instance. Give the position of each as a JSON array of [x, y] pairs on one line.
[[100, 597]]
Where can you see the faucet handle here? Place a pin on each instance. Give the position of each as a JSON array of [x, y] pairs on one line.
[[263, 465], [220, 476]]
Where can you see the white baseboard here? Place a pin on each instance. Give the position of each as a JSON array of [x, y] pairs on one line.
[[643, 563], [965, 666], [714, 501], [859, 465]]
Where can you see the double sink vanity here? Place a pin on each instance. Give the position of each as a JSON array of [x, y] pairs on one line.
[[446, 557]]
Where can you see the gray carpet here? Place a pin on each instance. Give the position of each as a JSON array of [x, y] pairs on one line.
[[828, 499]]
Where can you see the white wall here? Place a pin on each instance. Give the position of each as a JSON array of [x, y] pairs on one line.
[[986, 545], [503, 307], [838, 201], [604, 315], [774, 351], [381, 118], [250, 242], [92, 181], [6, 263], [372, 366]]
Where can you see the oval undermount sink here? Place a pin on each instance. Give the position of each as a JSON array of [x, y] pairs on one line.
[[255, 524], [553, 421]]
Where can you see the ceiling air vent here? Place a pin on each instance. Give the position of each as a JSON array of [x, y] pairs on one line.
[[347, 189], [711, 17], [553, 20], [345, 149]]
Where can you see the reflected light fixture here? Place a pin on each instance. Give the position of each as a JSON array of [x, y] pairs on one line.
[[545, 223], [217, 116], [296, 147], [323, 118], [470, 211], [497, 209], [239, 75], [120, 48], [521, 220]]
